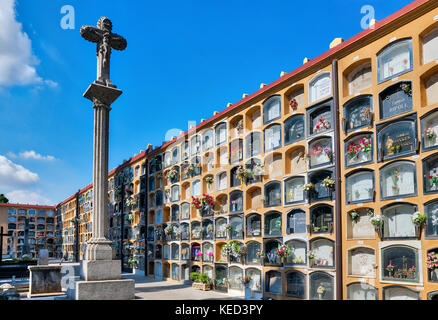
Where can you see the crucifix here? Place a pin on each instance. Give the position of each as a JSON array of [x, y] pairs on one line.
[[1, 243], [105, 40]]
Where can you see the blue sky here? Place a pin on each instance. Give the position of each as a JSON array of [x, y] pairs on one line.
[[184, 60]]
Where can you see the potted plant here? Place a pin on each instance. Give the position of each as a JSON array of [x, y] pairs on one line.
[[419, 219]]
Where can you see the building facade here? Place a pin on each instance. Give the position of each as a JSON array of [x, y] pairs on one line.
[[30, 228], [320, 185]]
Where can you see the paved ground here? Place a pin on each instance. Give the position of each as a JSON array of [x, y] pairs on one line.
[[150, 289]]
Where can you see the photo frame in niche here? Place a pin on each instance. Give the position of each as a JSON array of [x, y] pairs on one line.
[[358, 113], [396, 99], [397, 138]]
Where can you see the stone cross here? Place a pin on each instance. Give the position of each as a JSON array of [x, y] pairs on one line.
[[106, 40]]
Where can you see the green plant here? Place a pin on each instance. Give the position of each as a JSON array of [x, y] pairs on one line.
[[204, 278], [195, 276]]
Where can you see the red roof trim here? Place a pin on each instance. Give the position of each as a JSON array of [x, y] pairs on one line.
[[19, 205]]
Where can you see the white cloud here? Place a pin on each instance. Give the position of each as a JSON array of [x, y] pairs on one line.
[[27, 197], [32, 155], [13, 175], [17, 63]]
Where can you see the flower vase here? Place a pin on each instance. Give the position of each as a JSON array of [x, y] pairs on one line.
[[434, 275], [418, 228], [248, 292]]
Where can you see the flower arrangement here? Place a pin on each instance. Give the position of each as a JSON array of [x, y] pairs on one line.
[[242, 173], [132, 261], [319, 149], [168, 230], [329, 182], [239, 126], [260, 253], [322, 124], [412, 271], [321, 290], [430, 134], [293, 104], [283, 251], [433, 178], [390, 268], [207, 200], [406, 87], [130, 217], [432, 261], [376, 221], [354, 215], [311, 254], [228, 227], [196, 202], [172, 174], [308, 187], [419, 218], [258, 169], [209, 180], [364, 145], [231, 248]]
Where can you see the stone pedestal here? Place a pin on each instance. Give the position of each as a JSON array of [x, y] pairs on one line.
[[45, 281]]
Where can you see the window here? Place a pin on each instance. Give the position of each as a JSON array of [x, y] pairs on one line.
[[320, 87], [251, 252], [359, 150], [360, 79], [430, 174], [159, 198], [185, 251], [296, 284], [234, 179], [207, 252], [273, 194], [296, 221], [236, 276], [358, 113], [196, 230], [395, 99], [397, 221], [321, 219], [196, 249], [207, 229], [361, 262], [185, 231], [221, 133], [236, 227], [174, 193], [294, 129], [207, 142], [236, 201], [12, 212], [159, 216], [185, 211], [196, 188], [360, 186], [400, 263], [429, 129], [255, 166], [273, 224], [196, 166], [256, 279], [394, 60], [271, 109], [319, 118], [175, 251], [221, 228], [167, 159], [400, 293], [273, 282], [221, 276], [166, 253], [221, 181], [321, 286], [253, 225], [236, 151], [186, 150], [398, 179], [195, 145], [175, 155], [322, 250], [175, 212], [175, 271], [361, 291], [253, 144], [430, 46], [272, 137], [298, 254], [319, 192], [321, 152], [431, 209], [158, 251]]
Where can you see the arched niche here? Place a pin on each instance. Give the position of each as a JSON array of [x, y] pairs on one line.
[[295, 160], [361, 262]]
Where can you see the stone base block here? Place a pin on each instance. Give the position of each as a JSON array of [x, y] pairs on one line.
[[101, 270], [105, 290]]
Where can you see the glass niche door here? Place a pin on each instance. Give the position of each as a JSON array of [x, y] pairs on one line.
[[221, 276]]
